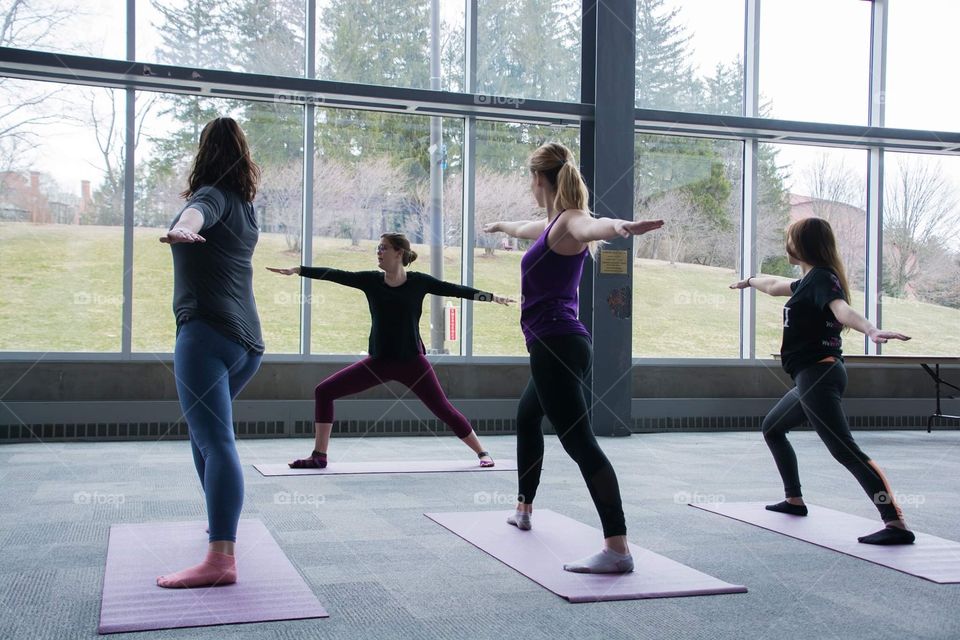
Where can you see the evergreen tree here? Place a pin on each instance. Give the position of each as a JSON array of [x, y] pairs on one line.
[[664, 78]]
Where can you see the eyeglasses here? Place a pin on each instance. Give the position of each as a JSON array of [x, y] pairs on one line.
[[383, 247]]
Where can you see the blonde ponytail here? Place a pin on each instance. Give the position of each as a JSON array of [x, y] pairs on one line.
[[556, 163]]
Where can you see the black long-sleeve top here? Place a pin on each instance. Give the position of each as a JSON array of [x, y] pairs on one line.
[[395, 311]]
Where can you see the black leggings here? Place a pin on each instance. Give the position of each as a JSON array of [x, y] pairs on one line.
[[817, 398], [558, 367]]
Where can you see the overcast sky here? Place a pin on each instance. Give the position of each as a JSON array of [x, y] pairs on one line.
[[813, 66]]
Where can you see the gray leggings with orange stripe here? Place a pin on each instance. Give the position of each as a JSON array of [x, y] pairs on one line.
[[817, 398]]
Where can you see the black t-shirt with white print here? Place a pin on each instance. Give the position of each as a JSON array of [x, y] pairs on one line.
[[810, 330]]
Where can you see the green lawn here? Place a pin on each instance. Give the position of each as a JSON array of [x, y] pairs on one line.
[[61, 291]]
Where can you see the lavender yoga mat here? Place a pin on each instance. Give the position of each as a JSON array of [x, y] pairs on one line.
[[930, 557], [269, 588], [386, 466], [554, 539]]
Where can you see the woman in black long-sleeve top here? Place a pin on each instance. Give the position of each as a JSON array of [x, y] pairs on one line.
[[396, 351]]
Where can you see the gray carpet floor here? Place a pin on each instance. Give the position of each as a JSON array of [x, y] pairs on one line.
[[383, 570]]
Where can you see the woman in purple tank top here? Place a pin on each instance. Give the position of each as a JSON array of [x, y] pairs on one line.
[[561, 353]]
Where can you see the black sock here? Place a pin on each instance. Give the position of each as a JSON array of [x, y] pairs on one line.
[[889, 535], [786, 507], [317, 453]]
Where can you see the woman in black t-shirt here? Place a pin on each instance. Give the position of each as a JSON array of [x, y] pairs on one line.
[[396, 351], [813, 318]]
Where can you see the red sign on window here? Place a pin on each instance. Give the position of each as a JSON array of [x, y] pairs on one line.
[[451, 323]]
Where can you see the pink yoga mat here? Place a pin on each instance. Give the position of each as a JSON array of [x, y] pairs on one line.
[[930, 557], [554, 539], [268, 588], [386, 466]]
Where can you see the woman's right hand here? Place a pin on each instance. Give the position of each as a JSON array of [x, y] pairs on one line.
[[291, 271], [491, 227], [743, 284]]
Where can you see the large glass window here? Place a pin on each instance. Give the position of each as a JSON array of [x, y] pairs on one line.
[[815, 60], [61, 218], [170, 128], [372, 175], [81, 27], [797, 182], [921, 40], [682, 305], [503, 193], [921, 253], [529, 48], [256, 36], [690, 55], [389, 43]]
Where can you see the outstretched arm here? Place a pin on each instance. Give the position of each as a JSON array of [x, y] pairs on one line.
[[187, 229], [586, 228], [451, 290], [347, 278], [850, 317], [770, 285], [526, 229]]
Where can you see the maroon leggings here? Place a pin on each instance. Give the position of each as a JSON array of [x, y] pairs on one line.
[[416, 374]]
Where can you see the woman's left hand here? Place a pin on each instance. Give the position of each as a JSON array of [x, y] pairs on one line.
[[504, 301], [879, 337]]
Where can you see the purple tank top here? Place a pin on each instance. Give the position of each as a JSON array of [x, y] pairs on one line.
[[549, 285]]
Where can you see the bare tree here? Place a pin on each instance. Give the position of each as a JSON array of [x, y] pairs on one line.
[[838, 195], [921, 213], [829, 180], [685, 230], [106, 119], [331, 194], [375, 184], [25, 106], [500, 196], [280, 201]]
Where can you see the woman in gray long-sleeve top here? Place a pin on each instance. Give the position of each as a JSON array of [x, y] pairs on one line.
[[219, 344]]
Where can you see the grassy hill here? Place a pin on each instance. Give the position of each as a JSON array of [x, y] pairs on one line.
[[61, 290]]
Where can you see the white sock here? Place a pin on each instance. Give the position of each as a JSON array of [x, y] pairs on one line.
[[520, 519], [607, 561]]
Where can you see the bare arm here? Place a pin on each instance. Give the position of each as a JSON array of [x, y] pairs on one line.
[[850, 317], [526, 229], [770, 285], [187, 228], [586, 228]]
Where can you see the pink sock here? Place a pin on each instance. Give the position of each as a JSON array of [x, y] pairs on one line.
[[216, 569]]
